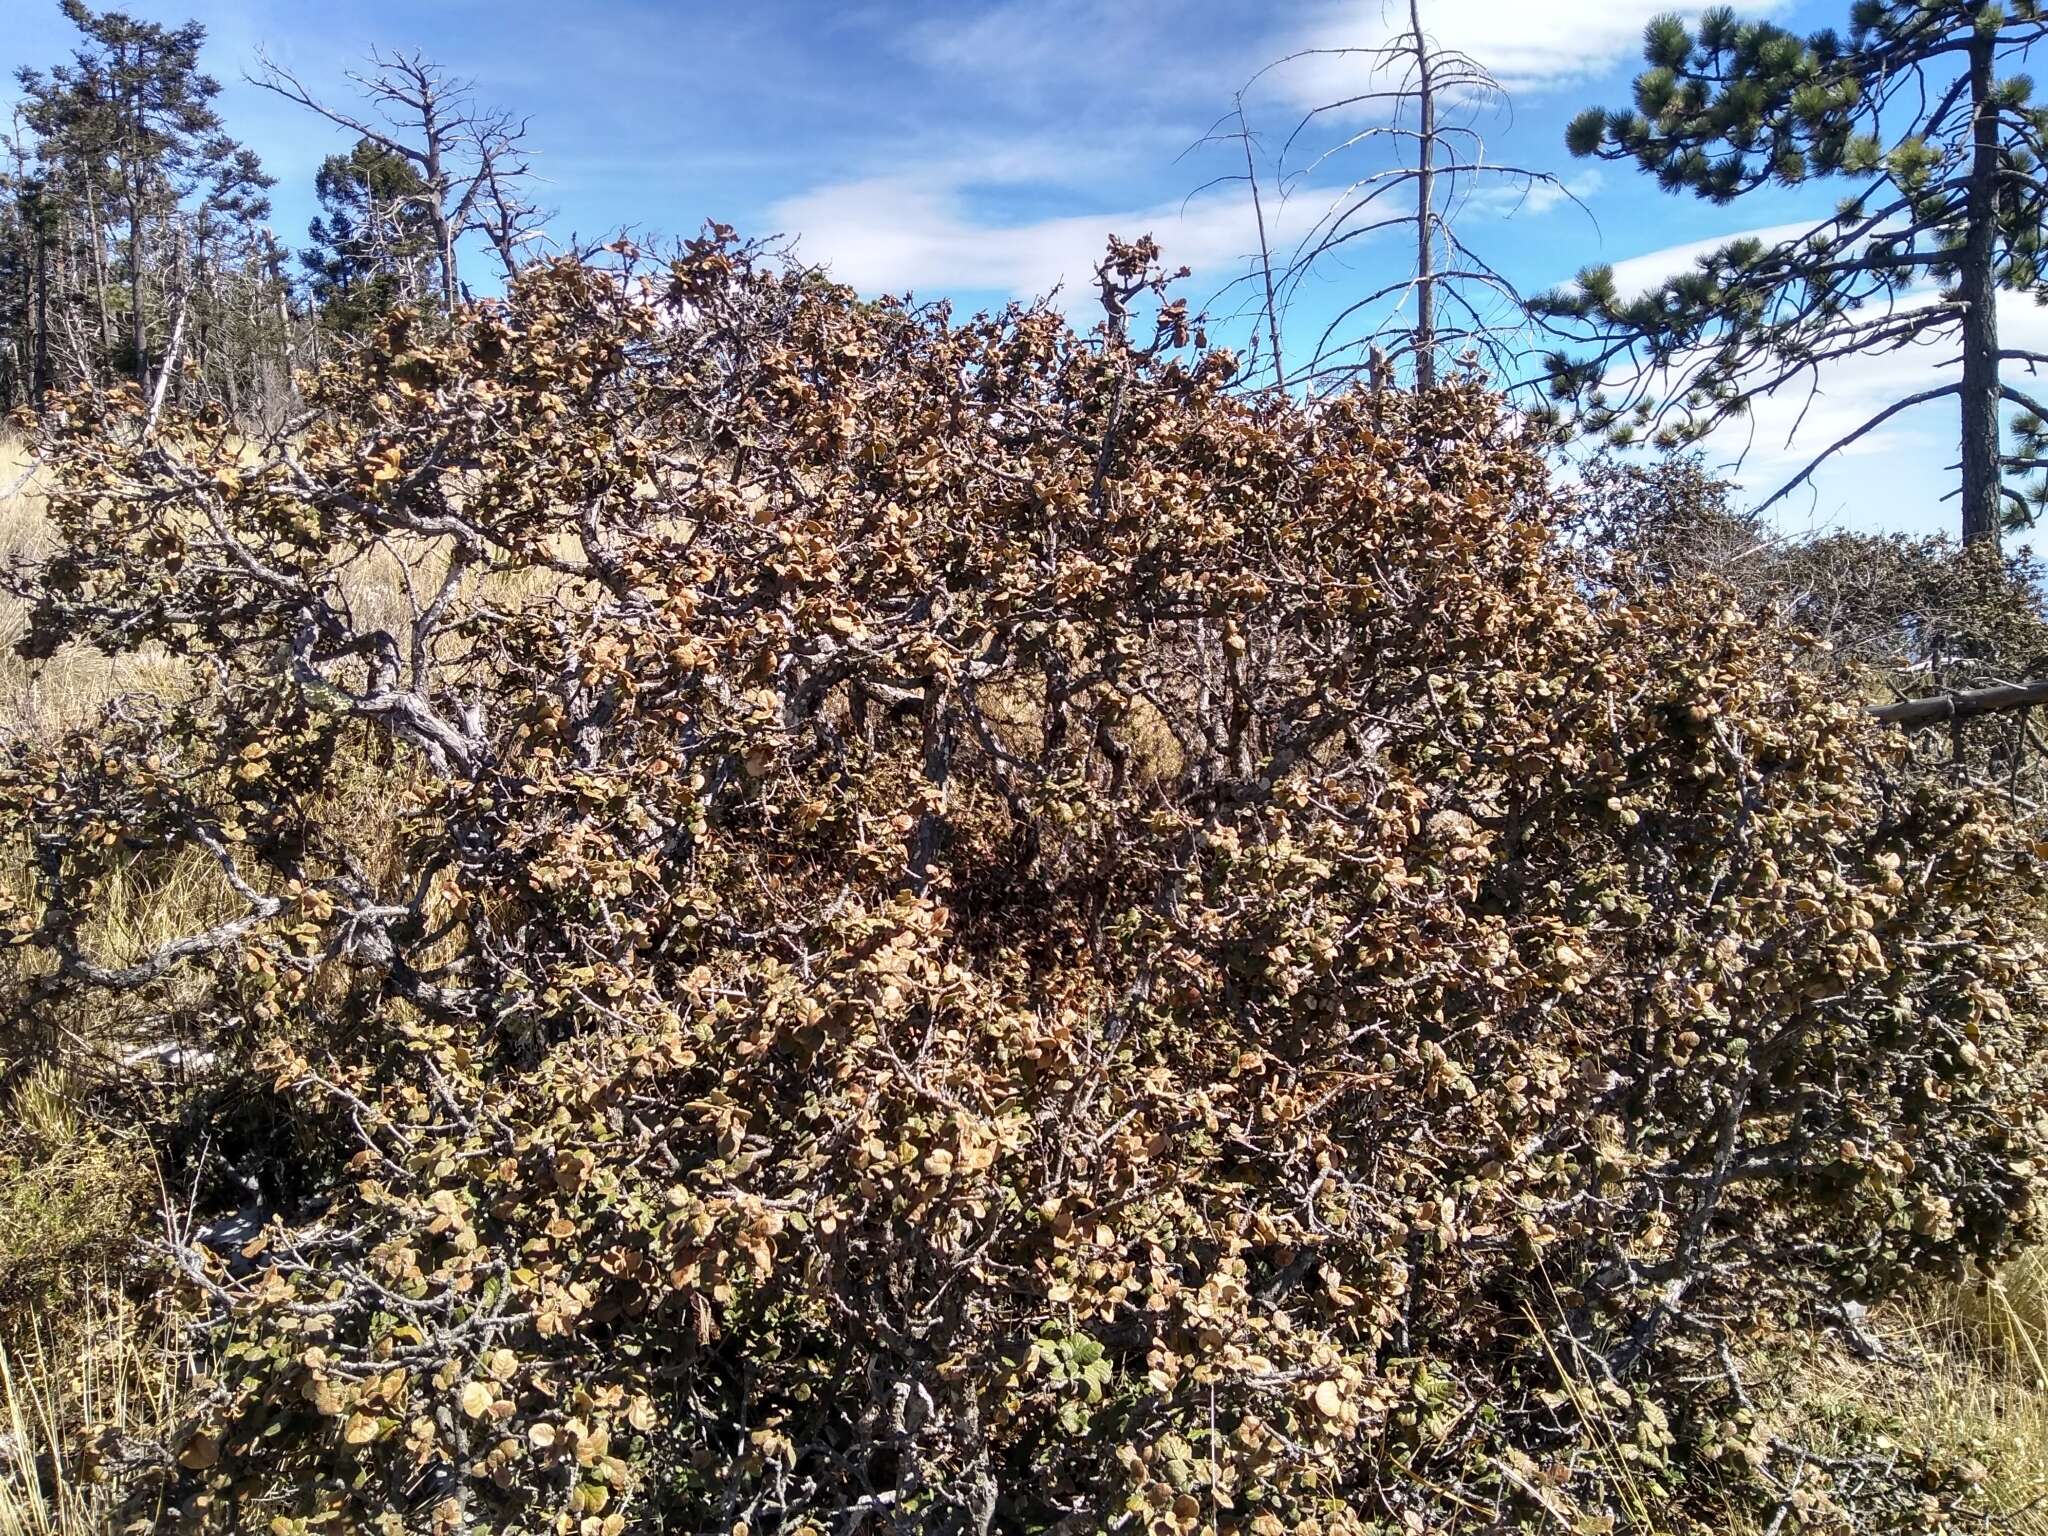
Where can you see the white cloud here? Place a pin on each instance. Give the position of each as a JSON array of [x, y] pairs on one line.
[[1527, 45], [1639, 274], [917, 228], [889, 234]]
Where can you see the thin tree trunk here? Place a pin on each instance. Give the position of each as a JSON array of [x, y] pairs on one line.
[[449, 282], [138, 330], [204, 281], [1425, 207], [289, 344], [1982, 513], [437, 205], [1251, 175], [39, 368], [85, 362], [99, 270], [170, 367]]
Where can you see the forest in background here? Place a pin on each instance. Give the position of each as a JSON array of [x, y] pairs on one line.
[[134, 234]]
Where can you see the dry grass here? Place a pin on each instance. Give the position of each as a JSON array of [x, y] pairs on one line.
[[72, 1406], [1963, 1384], [80, 1369], [68, 690], [1980, 1381]]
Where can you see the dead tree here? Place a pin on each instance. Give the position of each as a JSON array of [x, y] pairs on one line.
[[1416, 164], [472, 161], [507, 217]]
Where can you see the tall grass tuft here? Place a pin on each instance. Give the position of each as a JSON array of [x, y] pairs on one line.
[[75, 1406]]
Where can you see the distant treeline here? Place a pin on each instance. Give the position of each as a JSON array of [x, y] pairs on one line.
[[134, 242]]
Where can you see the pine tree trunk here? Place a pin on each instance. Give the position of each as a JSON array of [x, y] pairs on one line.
[[138, 330], [1982, 513], [202, 280], [1425, 208], [291, 358], [39, 368], [99, 272]]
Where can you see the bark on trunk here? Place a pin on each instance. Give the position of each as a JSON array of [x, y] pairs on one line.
[[437, 193], [1982, 512], [1425, 208], [138, 330], [170, 367], [171, 348], [39, 367], [99, 271], [290, 347]]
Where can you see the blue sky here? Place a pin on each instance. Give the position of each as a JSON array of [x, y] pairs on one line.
[[982, 150]]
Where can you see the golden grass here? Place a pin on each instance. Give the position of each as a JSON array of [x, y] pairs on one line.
[[66, 691], [76, 1362], [73, 1406], [1981, 1381], [1963, 1383]]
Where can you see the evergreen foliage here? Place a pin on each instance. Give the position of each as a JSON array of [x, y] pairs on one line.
[[134, 112], [1940, 150], [373, 247]]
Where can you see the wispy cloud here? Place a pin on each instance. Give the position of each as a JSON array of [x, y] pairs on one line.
[[1097, 58], [1527, 45], [1893, 477], [1639, 274], [892, 234], [1508, 196], [922, 228]]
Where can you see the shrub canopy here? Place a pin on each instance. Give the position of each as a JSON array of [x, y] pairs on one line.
[[983, 933]]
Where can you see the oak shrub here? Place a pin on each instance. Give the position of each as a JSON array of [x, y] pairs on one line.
[[982, 932]]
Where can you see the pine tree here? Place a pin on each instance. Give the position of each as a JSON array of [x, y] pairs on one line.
[[134, 110], [25, 209], [1941, 152], [372, 243], [131, 235]]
